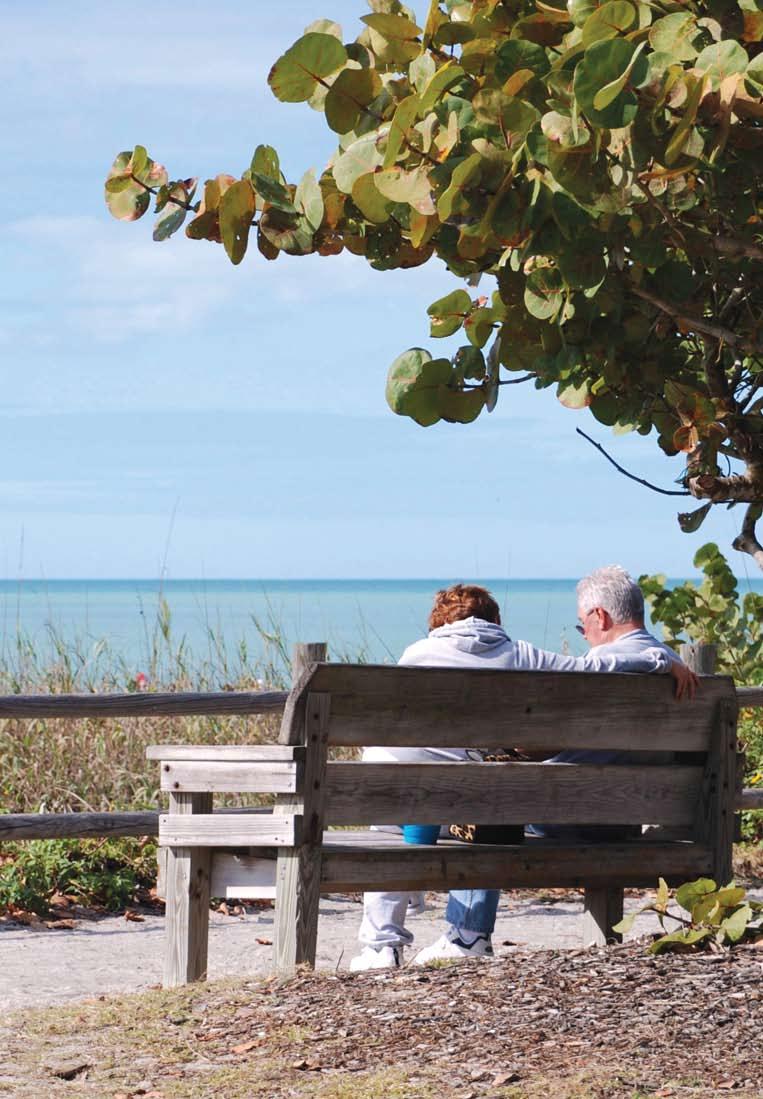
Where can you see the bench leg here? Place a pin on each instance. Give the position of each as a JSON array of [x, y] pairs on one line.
[[298, 879], [603, 908], [186, 931]]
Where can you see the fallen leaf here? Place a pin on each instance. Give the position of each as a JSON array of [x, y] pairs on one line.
[[245, 1047], [505, 1078], [133, 917], [61, 925], [299, 1064], [264, 942]]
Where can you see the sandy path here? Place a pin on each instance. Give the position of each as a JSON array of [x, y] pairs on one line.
[[112, 955]]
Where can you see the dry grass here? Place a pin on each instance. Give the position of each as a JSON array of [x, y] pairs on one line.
[[69, 765]]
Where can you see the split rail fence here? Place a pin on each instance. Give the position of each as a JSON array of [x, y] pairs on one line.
[[30, 826]]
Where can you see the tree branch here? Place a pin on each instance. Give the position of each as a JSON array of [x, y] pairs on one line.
[[747, 541], [632, 476], [517, 381], [715, 331], [733, 247]]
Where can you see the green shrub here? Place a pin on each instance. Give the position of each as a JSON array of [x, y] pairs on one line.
[[713, 917], [100, 872], [713, 613]]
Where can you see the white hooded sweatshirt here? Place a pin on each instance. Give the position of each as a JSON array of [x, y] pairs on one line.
[[476, 643]]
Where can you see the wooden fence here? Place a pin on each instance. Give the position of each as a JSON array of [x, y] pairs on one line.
[[28, 826]]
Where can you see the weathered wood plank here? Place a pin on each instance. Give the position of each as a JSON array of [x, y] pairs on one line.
[[347, 868], [299, 869], [714, 823], [180, 704], [387, 705], [226, 753], [750, 696], [228, 830], [235, 777], [186, 879], [510, 793], [32, 826], [352, 865], [602, 908]]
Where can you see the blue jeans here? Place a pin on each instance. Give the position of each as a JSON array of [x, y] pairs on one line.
[[473, 909]]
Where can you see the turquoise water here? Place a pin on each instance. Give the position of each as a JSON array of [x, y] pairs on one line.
[[373, 619]]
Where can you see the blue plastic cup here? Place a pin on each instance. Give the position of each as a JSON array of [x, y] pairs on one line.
[[421, 833]]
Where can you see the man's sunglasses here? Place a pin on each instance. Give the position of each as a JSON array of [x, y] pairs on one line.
[[578, 627]]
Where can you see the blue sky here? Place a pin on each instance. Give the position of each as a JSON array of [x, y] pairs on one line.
[[165, 410]]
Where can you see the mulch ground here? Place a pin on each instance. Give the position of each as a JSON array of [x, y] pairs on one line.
[[696, 1020]]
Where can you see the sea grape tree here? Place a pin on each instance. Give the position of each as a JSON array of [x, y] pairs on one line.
[[602, 162]]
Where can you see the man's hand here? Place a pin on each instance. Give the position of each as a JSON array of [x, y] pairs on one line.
[[686, 682]]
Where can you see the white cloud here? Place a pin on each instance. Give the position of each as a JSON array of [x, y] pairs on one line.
[[140, 49]]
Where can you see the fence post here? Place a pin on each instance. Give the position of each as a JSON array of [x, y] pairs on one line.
[[701, 658], [298, 869], [304, 654]]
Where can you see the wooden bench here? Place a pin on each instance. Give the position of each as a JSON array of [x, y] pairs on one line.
[[351, 706]]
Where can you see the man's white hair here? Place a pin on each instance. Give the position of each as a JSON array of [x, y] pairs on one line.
[[615, 591]]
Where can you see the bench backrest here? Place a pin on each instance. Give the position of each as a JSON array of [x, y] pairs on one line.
[[449, 707], [363, 705]]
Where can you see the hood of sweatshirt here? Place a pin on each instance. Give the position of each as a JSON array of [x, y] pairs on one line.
[[473, 635]]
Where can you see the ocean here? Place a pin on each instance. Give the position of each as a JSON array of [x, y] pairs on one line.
[[360, 619]]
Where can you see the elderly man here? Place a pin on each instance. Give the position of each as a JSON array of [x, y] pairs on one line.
[[465, 631]]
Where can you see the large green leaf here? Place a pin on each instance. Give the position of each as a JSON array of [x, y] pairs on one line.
[[469, 363], [290, 233], [309, 200], [610, 92], [357, 159], [544, 293], [735, 925], [371, 203], [265, 162], [449, 313], [413, 385], [688, 894], [574, 396], [444, 79], [608, 21], [348, 97], [517, 54], [454, 199], [676, 35], [412, 187], [689, 521], [126, 190], [173, 214], [392, 27], [603, 63], [721, 60], [684, 939], [402, 129], [297, 73], [237, 207], [272, 191], [460, 406]]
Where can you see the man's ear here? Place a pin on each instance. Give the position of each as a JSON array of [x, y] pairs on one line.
[[604, 619]]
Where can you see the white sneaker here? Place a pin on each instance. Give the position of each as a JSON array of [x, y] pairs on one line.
[[387, 957], [416, 904], [451, 947]]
